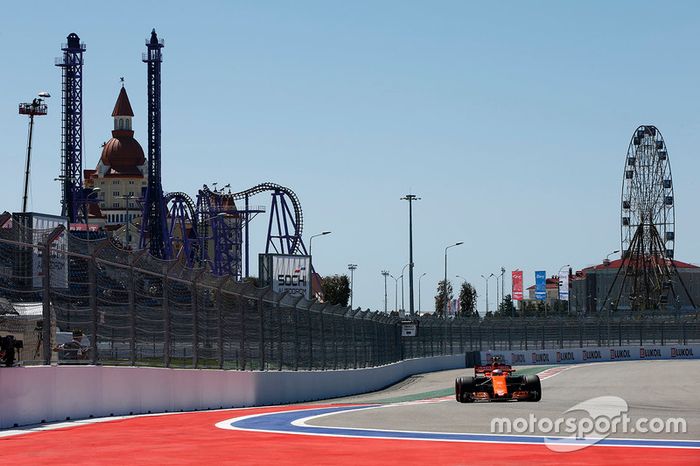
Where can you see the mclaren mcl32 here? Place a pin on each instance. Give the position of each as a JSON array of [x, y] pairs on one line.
[[496, 382]]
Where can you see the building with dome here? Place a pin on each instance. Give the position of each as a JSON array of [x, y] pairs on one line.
[[121, 175]]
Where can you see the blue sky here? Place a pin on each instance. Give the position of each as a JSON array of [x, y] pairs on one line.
[[511, 120]]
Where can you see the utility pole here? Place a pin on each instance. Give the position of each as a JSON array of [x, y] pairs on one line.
[[385, 273], [351, 268], [35, 108], [410, 198]]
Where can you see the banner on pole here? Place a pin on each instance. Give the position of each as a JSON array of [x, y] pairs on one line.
[[517, 277], [564, 287], [540, 285]]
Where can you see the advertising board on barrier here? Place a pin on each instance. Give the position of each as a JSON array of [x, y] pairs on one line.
[[286, 273], [593, 354]]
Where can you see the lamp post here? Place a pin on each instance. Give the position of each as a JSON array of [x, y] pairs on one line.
[[128, 198], [607, 257], [444, 284], [410, 198], [403, 307], [396, 292], [323, 233], [35, 108], [503, 296], [419, 302], [486, 279], [311, 258], [351, 268], [496, 278], [559, 287], [385, 273]]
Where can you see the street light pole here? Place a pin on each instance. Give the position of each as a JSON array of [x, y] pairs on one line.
[[396, 293], [486, 279], [323, 233], [311, 258], [351, 268], [559, 287], [128, 197], [385, 273], [403, 307], [410, 198], [503, 296], [444, 284], [419, 302]]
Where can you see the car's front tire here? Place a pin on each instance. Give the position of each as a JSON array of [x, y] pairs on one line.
[[533, 385], [464, 386]]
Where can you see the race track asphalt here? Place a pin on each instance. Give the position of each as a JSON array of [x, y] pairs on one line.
[[652, 389]]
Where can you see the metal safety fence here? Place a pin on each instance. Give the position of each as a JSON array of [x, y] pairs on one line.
[[129, 308]]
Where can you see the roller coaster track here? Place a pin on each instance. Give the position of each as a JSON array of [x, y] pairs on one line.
[[187, 200], [267, 187]]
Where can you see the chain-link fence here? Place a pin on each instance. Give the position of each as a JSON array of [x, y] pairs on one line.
[[130, 308]]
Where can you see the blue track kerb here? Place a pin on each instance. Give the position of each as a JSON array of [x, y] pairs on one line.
[[283, 422]]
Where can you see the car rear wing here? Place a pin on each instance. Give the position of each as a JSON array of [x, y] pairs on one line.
[[487, 369]]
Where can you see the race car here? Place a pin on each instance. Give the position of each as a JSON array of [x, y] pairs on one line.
[[496, 382]]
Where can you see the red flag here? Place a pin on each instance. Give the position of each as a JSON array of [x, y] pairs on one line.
[[517, 285]]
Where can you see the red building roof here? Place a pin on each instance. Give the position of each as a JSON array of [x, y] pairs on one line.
[[123, 106]]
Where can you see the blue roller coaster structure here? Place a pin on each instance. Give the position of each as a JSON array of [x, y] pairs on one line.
[[214, 230]]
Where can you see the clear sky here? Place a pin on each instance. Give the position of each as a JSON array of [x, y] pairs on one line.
[[510, 119]]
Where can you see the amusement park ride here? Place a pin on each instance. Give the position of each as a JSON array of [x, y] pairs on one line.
[[214, 229], [647, 272]]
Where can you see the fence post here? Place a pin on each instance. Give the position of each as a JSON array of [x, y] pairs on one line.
[[619, 333], [241, 345], [323, 340], [261, 314], [280, 340], [46, 301], [194, 302], [167, 343], [311, 339], [220, 319], [296, 336], [542, 336], [132, 313], [46, 304], [92, 299]]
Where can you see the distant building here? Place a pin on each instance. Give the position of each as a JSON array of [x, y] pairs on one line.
[[590, 286], [120, 173], [552, 284]]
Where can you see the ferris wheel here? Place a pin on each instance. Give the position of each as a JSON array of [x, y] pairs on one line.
[[647, 194]]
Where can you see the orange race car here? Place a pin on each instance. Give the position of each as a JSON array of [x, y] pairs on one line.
[[496, 382]]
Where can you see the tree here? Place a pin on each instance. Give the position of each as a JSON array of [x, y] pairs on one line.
[[443, 296], [336, 289], [506, 308], [467, 300]]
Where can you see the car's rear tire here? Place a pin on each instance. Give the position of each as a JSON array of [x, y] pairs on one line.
[[464, 386], [533, 385]]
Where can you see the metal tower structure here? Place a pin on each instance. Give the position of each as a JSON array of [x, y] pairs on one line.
[[645, 279], [35, 108], [73, 196], [154, 228]]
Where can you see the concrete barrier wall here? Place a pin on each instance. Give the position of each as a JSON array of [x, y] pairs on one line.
[[30, 395], [594, 354]]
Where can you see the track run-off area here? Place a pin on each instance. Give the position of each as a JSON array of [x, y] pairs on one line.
[[416, 421]]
